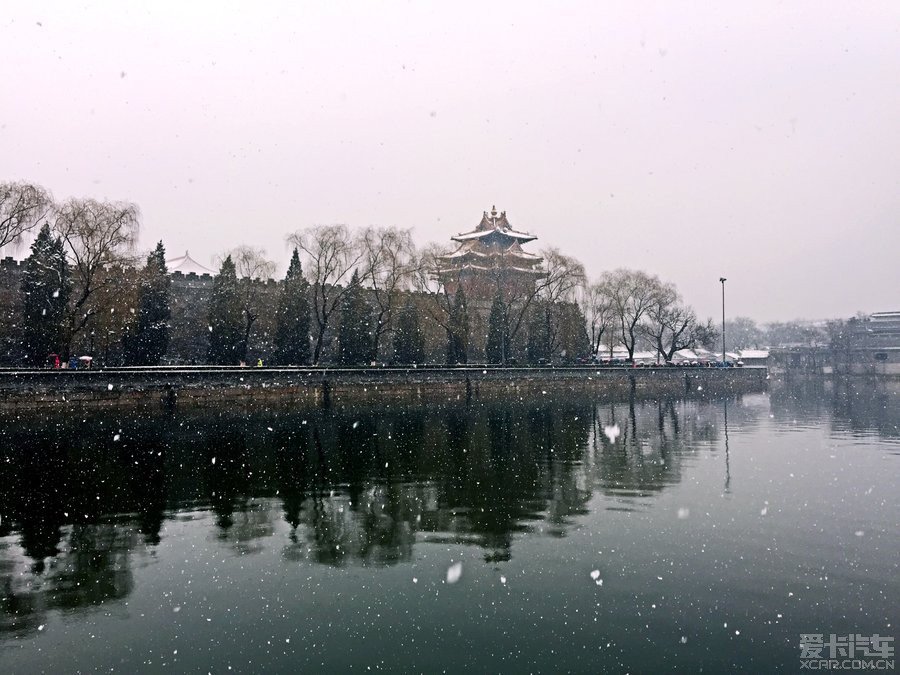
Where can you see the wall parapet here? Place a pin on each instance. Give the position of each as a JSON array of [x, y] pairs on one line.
[[9, 261]]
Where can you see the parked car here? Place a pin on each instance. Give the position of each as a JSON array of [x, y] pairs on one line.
[[612, 362]]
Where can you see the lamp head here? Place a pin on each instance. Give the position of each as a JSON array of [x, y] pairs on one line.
[[723, 279]]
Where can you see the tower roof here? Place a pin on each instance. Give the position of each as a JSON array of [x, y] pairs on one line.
[[513, 252], [493, 223], [187, 265]]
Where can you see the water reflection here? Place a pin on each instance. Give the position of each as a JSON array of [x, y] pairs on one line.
[[860, 406], [654, 439], [83, 500], [727, 453], [91, 565]]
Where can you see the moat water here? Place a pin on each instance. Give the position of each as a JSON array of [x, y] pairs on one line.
[[554, 535]]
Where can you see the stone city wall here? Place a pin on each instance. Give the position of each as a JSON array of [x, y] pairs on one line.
[[330, 386]]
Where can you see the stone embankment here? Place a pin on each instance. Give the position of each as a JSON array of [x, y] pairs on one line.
[[169, 387]]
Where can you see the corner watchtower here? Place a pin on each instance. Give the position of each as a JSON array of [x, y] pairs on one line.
[[489, 259]]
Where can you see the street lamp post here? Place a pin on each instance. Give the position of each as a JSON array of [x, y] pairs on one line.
[[723, 280]]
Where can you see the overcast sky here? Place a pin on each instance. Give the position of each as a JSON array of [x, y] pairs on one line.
[[759, 141]]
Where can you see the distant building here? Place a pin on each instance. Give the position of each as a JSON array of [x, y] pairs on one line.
[[699, 355], [801, 360], [869, 345], [490, 258], [685, 356], [753, 357], [859, 346], [883, 329]]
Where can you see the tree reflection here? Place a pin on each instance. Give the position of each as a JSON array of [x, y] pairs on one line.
[[648, 454], [65, 484], [37, 481], [474, 475], [92, 567], [346, 486]]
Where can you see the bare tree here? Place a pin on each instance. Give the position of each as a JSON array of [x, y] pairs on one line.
[[598, 308], [706, 334], [670, 325], [560, 276], [634, 294], [253, 269], [252, 263], [389, 260], [743, 333], [331, 254], [22, 207], [564, 277], [795, 332], [98, 236], [428, 275], [429, 278], [115, 306]]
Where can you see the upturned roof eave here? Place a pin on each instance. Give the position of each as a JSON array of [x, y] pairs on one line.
[[464, 253], [482, 268], [480, 234]]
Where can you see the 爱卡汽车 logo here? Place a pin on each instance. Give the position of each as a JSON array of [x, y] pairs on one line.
[[853, 651]]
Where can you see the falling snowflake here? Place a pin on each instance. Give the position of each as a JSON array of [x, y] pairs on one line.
[[454, 572]]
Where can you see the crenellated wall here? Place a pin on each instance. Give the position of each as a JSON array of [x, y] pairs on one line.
[[189, 301], [189, 325]]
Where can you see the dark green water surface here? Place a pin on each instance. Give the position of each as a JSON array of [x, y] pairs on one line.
[[554, 535]]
